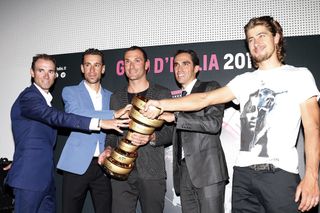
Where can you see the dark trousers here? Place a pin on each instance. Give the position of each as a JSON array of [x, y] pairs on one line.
[[27, 201], [207, 199], [150, 193], [75, 188], [264, 191]]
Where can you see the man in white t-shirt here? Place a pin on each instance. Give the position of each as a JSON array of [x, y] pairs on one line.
[[273, 99]]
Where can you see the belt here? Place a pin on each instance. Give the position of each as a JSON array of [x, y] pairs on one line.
[[263, 167]]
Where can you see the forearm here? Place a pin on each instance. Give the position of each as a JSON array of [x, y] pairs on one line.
[[312, 152], [192, 102], [197, 101]]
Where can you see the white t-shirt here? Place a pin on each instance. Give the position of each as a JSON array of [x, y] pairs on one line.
[[270, 114]]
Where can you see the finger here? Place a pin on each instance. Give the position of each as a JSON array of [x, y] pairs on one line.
[[305, 203], [146, 107], [6, 168], [297, 195], [128, 107], [136, 143], [316, 201], [118, 129], [124, 121], [101, 158]]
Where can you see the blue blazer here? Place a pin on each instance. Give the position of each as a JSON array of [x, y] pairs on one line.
[[34, 131], [80, 146]]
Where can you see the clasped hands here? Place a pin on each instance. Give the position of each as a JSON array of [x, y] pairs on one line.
[[120, 120], [151, 110]]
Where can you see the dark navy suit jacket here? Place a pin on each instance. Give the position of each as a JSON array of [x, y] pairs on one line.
[[34, 131]]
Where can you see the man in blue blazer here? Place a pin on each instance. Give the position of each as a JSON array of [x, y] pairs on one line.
[[34, 123], [79, 156]]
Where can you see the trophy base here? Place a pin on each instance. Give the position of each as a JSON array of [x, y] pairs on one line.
[[115, 175], [116, 169]]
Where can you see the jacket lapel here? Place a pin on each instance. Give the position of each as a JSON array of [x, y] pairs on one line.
[[84, 94]]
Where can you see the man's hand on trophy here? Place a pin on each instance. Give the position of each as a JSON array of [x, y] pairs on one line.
[[105, 154], [140, 139], [115, 124], [122, 113], [152, 109]]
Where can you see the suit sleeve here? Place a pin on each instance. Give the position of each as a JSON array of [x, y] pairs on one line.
[[71, 99], [33, 106], [163, 134], [209, 120]]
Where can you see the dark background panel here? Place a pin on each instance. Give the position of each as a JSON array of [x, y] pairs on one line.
[[220, 61]]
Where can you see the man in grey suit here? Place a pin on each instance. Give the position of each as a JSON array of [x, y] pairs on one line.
[[199, 166], [147, 181]]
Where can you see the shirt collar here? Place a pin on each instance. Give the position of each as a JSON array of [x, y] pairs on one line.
[[92, 93], [47, 96], [190, 86]]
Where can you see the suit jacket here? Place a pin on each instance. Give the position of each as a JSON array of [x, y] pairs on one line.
[[34, 131], [200, 132], [80, 146], [150, 163]]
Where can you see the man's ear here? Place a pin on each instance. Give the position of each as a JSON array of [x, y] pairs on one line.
[[82, 69], [276, 38], [32, 73], [103, 69], [196, 69], [147, 65]]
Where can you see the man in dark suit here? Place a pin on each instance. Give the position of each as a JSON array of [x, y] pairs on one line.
[[147, 181], [34, 123], [199, 166]]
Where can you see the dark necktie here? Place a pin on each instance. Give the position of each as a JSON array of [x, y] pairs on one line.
[[179, 141], [184, 93]]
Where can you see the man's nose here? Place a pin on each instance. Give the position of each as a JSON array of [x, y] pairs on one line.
[[46, 74]]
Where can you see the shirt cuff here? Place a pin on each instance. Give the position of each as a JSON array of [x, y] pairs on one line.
[[94, 124]]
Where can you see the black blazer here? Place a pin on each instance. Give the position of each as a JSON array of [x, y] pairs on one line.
[[200, 138], [150, 163]]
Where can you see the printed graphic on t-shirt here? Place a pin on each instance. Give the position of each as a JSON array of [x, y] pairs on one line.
[[254, 134]]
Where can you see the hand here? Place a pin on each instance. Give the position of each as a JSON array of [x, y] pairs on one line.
[[7, 167], [123, 113], [114, 124], [140, 139], [106, 153], [308, 193], [151, 109], [167, 116]]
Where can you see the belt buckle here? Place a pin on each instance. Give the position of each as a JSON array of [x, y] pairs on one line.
[[263, 167]]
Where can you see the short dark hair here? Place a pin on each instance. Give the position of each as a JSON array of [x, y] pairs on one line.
[[44, 57], [192, 53], [92, 51], [145, 56], [274, 27]]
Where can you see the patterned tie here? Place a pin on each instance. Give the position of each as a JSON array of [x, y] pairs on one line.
[[179, 141]]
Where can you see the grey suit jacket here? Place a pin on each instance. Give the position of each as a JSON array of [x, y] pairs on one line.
[[200, 132], [150, 163]]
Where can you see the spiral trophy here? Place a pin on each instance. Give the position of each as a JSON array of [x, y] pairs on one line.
[[121, 161]]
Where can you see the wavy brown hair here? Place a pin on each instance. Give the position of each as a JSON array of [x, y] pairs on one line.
[[274, 27]]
